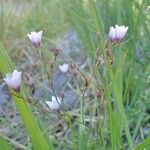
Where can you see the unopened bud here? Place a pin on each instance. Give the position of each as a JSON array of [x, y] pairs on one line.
[[98, 94], [55, 51], [62, 94], [74, 69]]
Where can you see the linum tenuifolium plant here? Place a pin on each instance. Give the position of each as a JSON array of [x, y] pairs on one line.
[[13, 80], [115, 36]]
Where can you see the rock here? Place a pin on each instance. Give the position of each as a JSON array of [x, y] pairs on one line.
[[4, 96], [71, 47], [70, 99]]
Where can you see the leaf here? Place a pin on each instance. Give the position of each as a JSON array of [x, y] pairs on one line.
[[144, 144], [39, 142], [117, 85], [4, 144]]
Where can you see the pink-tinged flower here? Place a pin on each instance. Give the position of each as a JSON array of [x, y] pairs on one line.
[[54, 103], [64, 68], [13, 80], [35, 38], [117, 34]]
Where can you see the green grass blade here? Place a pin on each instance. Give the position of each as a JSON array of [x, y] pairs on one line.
[[37, 138], [117, 81], [96, 21], [144, 144], [4, 145], [82, 138]]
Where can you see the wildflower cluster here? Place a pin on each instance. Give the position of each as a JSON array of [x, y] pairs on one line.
[[116, 35]]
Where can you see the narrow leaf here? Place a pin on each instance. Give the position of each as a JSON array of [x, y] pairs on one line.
[[37, 138], [4, 144]]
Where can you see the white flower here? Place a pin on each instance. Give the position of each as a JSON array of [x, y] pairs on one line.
[[35, 38], [13, 80], [54, 103], [112, 33], [117, 34], [64, 68]]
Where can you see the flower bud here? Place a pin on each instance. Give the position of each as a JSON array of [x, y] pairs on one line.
[[54, 103], [62, 94], [35, 38], [74, 69], [55, 51], [117, 34], [64, 68], [13, 80]]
